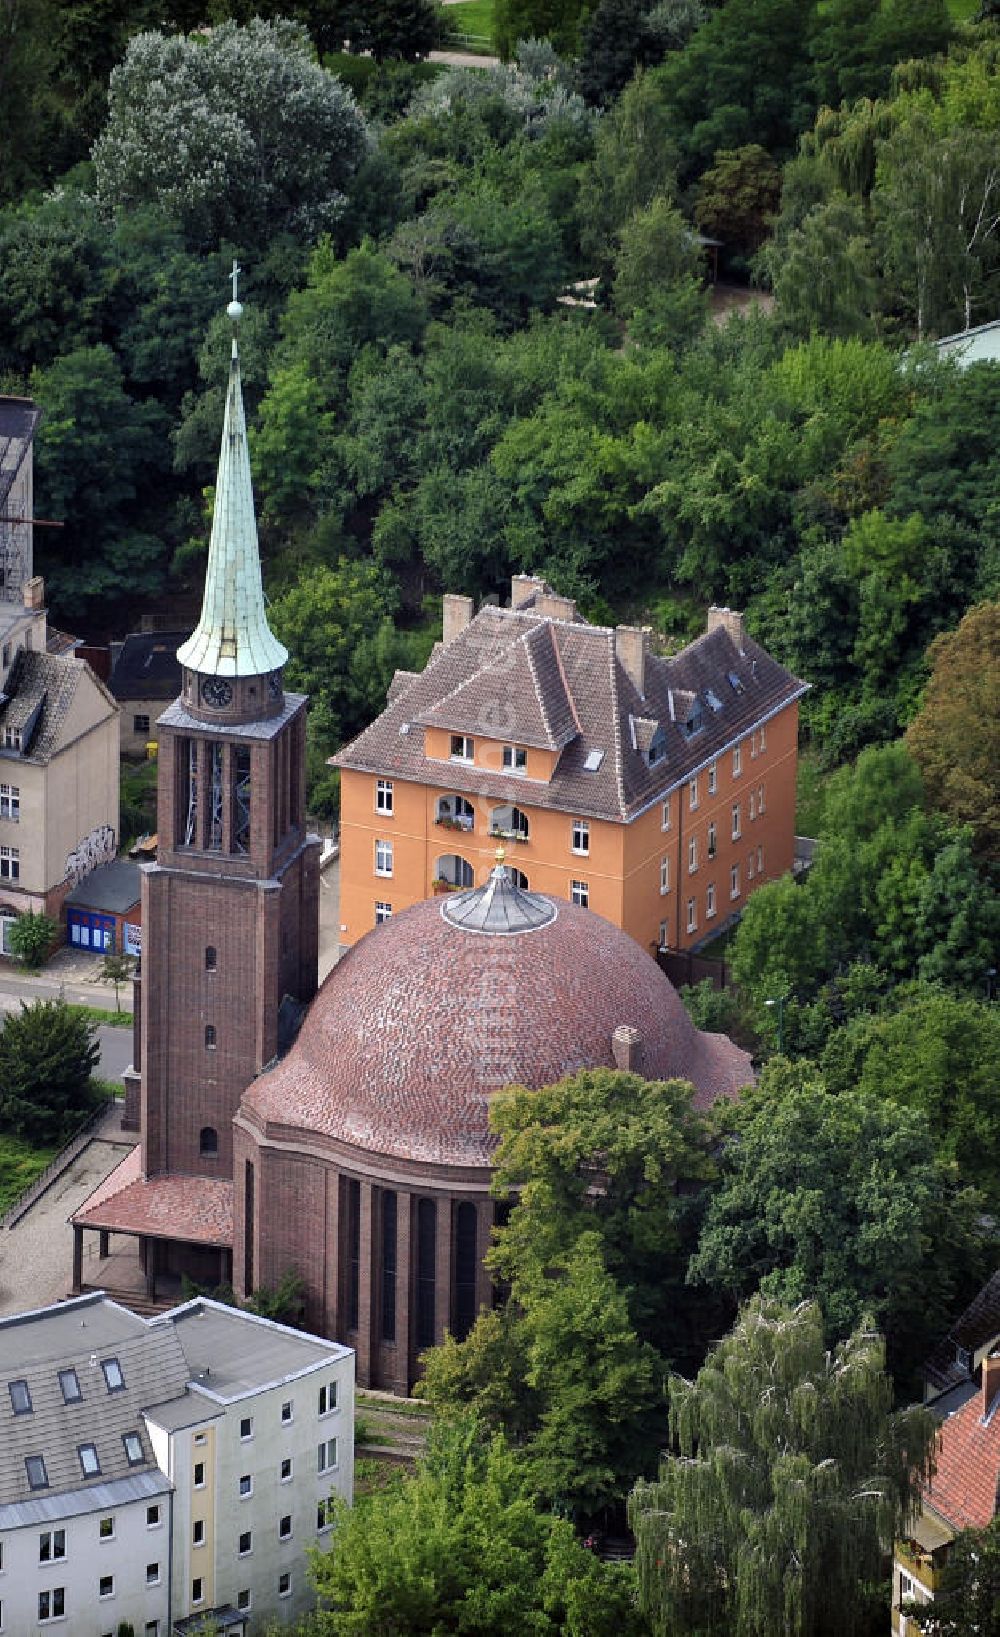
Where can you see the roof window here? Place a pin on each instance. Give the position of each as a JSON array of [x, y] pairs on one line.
[[593, 760], [113, 1378], [734, 682], [69, 1381], [694, 721], [34, 1466], [20, 1397], [89, 1463], [713, 699], [657, 749]]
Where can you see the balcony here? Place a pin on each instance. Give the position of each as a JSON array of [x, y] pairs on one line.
[[509, 824], [455, 813]]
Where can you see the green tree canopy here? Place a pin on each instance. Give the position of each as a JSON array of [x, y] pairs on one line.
[[47, 1056], [787, 1479], [955, 737], [238, 134], [461, 1546], [840, 1199]]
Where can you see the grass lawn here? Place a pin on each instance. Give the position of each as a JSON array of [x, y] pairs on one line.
[[109, 1019], [962, 10], [475, 19], [20, 1164]]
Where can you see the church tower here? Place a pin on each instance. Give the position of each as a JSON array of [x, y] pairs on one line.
[[230, 909]]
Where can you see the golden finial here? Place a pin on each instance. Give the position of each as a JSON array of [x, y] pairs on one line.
[[501, 853]]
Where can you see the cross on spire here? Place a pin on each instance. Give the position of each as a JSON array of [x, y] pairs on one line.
[[234, 275]]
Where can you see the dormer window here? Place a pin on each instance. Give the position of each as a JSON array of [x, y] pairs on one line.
[[657, 751], [695, 719], [515, 759], [12, 738], [462, 748]]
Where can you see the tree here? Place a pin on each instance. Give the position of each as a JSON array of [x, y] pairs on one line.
[[737, 197], [604, 1168], [239, 134], [967, 1592], [787, 1480], [843, 1200], [657, 256], [394, 29], [116, 969], [47, 1055], [461, 1546], [555, 20], [635, 162], [620, 36], [955, 737], [31, 938], [823, 273]]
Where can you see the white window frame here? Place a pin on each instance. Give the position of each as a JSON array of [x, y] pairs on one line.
[[154, 1578], [579, 842], [692, 854], [245, 1478], [283, 1476], [285, 1583], [665, 814], [244, 1600], [664, 875], [579, 894], [737, 821], [288, 1412], [157, 1521], [713, 777], [383, 912], [692, 917], [734, 881], [50, 1593], [106, 1534], [241, 1550], [713, 840], [693, 796], [760, 799], [737, 760], [384, 797], [10, 864], [710, 900], [329, 1398], [327, 1455], [663, 934], [10, 803], [514, 759], [283, 1533], [103, 1596], [198, 1532], [467, 753], [753, 807], [198, 1589], [383, 858], [760, 860], [246, 1421]]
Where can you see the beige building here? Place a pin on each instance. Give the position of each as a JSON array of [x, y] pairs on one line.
[[58, 770]]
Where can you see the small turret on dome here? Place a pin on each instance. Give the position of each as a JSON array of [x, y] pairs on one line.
[[498, 907], [232, 638]]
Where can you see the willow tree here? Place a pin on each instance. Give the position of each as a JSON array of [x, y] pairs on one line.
[[786, 1482]]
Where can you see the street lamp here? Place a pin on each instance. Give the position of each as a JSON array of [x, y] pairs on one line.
[[779, 1002]]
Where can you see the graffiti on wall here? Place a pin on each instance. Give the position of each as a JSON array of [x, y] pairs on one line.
[[95, 849]]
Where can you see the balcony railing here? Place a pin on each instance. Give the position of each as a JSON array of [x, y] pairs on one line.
[[450, 821], [507, 835]]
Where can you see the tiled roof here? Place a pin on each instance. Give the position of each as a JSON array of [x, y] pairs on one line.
[[977, 1328], [523, 677], [196, 1210], [964, 1488], [423, 1021], [40, 691], [113, 887], [147, 666], [79, 1336]]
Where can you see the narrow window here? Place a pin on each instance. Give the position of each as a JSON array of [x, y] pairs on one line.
[[710, 901], [665, 874], [286, 1412], [113, 1378], [692, 854], [383, 858], [38, 1478], [665, 815], [20, 1397], [760, 798], [187, 753], [285, 1584], [737, 761], [133, 1448], [152, 1574], [106, 1586], [579, 892], [215, 802], [515, 760], [388, 1265], [197, 1589], [383, 912], [211, 958], [580, 841], [692, 921], [736, 821], [383, 795], [89, 1462], [243, 1601], [210, 1037], [285, 1527], [246, 1485], [711, 840], [462, 748], [286, 1470], [734, 881], [426, 1293], [466, 1266], [152, 1517], [693, 793], [353, 1252], [69, 1382], [326, 1455], [246, 1543], [106, 1529], [241, 800], [199, 1474], [208, 1141], [246, 1427], [713, 778], [248, 1226]]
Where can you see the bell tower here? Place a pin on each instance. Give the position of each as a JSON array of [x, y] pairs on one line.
[[230, 909]]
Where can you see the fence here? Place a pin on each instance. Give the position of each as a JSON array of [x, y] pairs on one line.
[[65, 1157]]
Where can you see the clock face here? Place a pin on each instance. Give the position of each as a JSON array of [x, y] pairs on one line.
[[274, 685], [217, 692]]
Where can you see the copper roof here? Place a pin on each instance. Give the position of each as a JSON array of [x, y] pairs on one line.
[[423, 1021], [196, 1210], [522, 677]]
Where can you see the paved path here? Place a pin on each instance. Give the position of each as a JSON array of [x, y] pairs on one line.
[[36, 1257], [462, 59]]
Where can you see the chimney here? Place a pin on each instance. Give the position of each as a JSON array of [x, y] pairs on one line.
[[626, 1045], [456, 615], [730, 620], [991, 1381], [34, 592], [522, 588], [630, 648], [556, 607]]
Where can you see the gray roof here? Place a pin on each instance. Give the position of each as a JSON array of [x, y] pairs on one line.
[[79, 1335], [977, 1328], [147, 667], [113, 887], [227, 1363], [96, 1497], [175, 716], [38, 696], [498, 908], [198, 1351], [525, 678]]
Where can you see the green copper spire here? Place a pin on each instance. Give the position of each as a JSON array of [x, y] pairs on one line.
[[232, 637]]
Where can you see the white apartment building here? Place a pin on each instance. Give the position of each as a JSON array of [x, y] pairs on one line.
[[162, 1471]]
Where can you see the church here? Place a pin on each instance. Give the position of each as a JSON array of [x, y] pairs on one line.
[[343, 1135]]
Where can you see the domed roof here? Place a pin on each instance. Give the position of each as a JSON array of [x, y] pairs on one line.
[[433, 1012]]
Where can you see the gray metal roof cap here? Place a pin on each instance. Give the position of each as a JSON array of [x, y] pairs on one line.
[[498, 908]]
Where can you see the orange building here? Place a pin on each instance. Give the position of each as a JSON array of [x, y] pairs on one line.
[[658, 792]]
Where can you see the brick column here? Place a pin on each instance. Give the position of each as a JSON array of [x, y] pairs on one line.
[[331, 1260], [77, 1259], [366, 1273], [443, 1258]]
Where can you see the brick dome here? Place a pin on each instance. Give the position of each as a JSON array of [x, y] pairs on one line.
[[426, 1017]]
